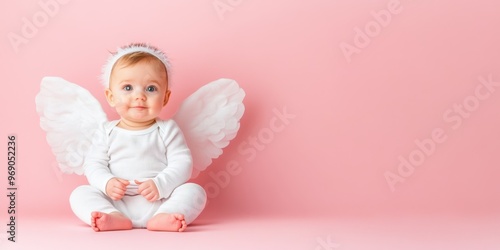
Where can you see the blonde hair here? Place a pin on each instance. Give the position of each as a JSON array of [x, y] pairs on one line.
[[134, 58], [132, 54]]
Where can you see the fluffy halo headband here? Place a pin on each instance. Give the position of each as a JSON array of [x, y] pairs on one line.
[[135, 47]]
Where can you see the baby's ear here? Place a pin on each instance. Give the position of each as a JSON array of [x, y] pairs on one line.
[[109, 97], [167, 97]]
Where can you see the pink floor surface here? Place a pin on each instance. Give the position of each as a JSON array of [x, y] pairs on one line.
[[411, 232]]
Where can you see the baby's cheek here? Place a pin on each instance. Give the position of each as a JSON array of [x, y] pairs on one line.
[[120, 108], [158, 104]]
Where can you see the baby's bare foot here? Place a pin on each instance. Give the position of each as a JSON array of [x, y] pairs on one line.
[[167, 222], [108, 222]]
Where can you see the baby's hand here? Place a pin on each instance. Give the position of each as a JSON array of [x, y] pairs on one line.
[[148, 189], [116, 187]]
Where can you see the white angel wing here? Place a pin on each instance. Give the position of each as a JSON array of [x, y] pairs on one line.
[[209, 119], [70, 115]]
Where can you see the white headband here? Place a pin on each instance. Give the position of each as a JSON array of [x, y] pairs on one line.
[[134, 47]]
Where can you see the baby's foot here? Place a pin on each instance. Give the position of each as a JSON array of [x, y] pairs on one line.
[[167, 222], [108, 222]]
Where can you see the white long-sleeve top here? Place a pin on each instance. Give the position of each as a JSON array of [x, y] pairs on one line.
[[158, 153]]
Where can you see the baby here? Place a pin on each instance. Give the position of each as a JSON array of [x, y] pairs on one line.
[[138, 165]]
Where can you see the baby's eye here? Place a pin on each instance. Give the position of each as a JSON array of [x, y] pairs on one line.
[[127, 87], [151, 88]]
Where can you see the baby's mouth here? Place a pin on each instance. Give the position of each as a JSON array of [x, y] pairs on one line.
[[139, 107]]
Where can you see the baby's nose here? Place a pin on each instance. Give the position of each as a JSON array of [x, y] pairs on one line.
[[140, 95]]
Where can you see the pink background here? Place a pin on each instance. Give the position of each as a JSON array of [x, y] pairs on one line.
[[354, 115]]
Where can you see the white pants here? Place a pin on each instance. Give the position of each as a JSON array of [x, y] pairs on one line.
[[188, 199]]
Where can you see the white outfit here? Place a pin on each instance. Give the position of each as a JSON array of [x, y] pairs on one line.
[[158, 153]]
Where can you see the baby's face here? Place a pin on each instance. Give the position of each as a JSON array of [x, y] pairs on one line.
[[138, 92]]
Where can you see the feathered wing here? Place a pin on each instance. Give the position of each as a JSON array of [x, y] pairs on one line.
[[70, 115], [209, 119]]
